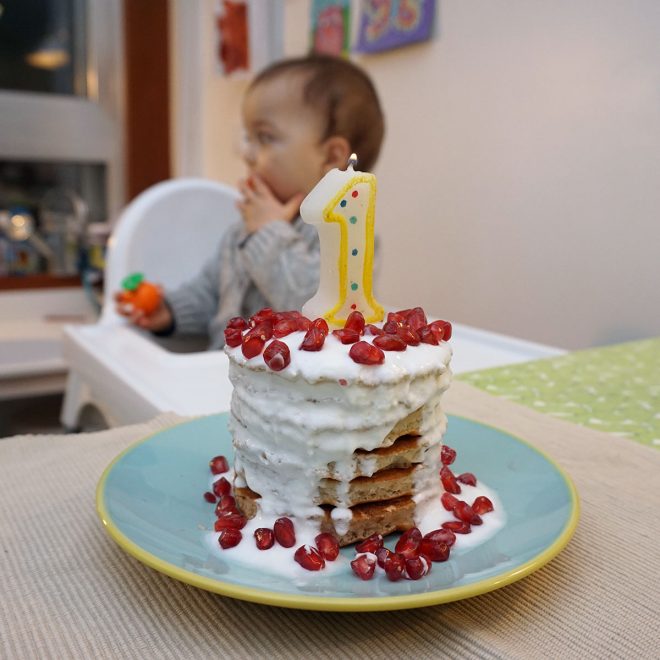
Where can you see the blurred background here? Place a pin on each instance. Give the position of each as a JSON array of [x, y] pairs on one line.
[[519, 185]]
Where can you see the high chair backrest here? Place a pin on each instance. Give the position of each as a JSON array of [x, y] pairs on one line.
[[167, 233]]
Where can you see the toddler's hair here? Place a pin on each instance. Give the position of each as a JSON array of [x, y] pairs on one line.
[[346, 97]]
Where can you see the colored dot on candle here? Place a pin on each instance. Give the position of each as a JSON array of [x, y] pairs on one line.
[[354, 252], [353, 306], [342, 203], [352, 219], [354, 286], [354, 193]]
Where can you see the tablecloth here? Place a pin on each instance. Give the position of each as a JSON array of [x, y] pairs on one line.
[[67, 591]]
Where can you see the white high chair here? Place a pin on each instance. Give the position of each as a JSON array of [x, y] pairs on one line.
[[167, 233]]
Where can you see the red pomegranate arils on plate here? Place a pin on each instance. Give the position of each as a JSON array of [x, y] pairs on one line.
[[395, 566], [391, 327], [441, 329], [364, 566], [229, 538], [482, 505], [230, 521], [434, 550], [365, 353], [448, 501], [373, 330], [398, 317], [284, 532], [264, 538], [441, 536], [285, 327], [382, 554], [238, 322], [347, 335], [327, 545], [449, 482], [219, 465], [221, 487], [277, 355], [322, 325], [467, 478], [408, 335], [313, 340], [463, 511], [416, 319], [447, 455], [390, 343], [408, 544], [309, 558], [252, 345], [417, 567], [355, 321], [427, 336], [233, 337], [457, 526], [226, 503], [210, 497], [371, 544]]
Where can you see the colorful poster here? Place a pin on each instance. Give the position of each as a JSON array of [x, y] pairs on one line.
[[387, 24], [330, 27], [232, 36]]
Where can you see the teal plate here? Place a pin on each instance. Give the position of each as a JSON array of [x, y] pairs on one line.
[[150, 501]]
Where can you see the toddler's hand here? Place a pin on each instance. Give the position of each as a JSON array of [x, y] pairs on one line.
[[260, 207], [159, 319]]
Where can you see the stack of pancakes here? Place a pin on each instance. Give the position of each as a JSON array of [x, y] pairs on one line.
[[379, 494]]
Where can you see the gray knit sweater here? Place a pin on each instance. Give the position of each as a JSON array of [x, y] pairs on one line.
[[277, 266]]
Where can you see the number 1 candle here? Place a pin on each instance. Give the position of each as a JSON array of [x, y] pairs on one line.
[[342, 206]]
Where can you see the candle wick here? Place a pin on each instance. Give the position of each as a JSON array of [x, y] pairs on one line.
[[352, 160]]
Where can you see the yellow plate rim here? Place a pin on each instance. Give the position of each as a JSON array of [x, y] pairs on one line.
[[341, 604]]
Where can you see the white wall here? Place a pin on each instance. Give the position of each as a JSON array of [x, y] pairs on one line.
[[519, 186]]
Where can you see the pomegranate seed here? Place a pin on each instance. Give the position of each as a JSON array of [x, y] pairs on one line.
[[391, 327], [284, 532], [364, 566], [355, 321], [365, 353], [233, 337], [434, 550], [229, 538], [347, 335], [373, 330], [395, 566], [482, 505], [313, 340], [237, 322], [441, 329], [390, 343], [467, 478], [261, 315], [303, 323], [408, 545], [230, 521], [448, 501], [457, 526], [285, 327], [322, 325], [209, 497], [449, 482], [309, 557], [397, 317], [252, 345], [226, 503], [416, 319], [370, 544], [427, 336], [417, 567], [408, 335], [264, 538], [277, 355], [445, 536], [263, 329], [447, 455], [382, 555], [327, 545], [463, 511], [219, 465], [221, 487]]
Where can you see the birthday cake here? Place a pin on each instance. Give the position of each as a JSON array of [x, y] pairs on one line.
[[336, 413]]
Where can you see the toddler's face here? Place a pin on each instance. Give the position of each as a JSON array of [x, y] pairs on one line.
[[283, 138]]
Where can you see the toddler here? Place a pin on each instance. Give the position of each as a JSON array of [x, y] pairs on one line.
[[302, 117]]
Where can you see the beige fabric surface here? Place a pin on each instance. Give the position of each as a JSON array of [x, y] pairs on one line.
[[67, 591]]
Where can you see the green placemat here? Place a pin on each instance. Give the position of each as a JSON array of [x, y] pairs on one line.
[[614, 389]]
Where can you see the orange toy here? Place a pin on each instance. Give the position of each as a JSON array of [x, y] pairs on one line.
[[142, 295]]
